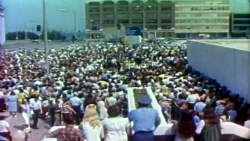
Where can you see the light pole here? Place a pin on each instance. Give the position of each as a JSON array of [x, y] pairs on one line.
[[144, 22], [45, 38], [74, 14], [90, 24]]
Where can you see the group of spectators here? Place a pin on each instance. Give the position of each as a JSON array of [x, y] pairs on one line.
[[87, 86]]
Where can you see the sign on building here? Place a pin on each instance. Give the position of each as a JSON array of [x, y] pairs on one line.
[[133, 31]]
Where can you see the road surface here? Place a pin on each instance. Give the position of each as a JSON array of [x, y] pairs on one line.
[[16, 124], [29, 45]]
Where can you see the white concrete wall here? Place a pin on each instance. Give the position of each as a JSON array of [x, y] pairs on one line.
[[228, 66]]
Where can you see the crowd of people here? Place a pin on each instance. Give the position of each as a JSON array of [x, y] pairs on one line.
[[87, 86]]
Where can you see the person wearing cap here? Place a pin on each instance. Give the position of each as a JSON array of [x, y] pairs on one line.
[[145, 120]]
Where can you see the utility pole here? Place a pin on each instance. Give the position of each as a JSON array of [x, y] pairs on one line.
[[45, 38]]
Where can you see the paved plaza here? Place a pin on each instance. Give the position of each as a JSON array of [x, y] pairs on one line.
[[16, 124]]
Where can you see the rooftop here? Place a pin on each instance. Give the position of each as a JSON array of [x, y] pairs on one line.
[[240, 44]]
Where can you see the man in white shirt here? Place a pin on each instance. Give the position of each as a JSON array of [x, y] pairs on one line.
[[36, 106], [110, 100]]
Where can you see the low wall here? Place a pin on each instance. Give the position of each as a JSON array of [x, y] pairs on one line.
[[229, 66], [230, 132]]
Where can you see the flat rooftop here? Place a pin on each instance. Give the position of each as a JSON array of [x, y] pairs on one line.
[[240, 44]]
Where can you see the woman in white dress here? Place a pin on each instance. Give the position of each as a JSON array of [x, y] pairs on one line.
[[26, 112], [91, 125], [115, 127]]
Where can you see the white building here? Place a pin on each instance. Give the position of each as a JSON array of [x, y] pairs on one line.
[[193, 17], [2, 26]]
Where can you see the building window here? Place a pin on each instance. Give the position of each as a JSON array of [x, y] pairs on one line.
[[122, 3], [245, 16], [108, 10], [152, 27], [108, 3], [137, 21], [152, 16], [108, 22], [241, 22], [165, 15], [152, 21], [122, 16], [92, 10], [166, 26], [108, 16], [123, 21], [137, 16], [165, 8], [94, 3], [94, 16], [165, 21], [122, 9]]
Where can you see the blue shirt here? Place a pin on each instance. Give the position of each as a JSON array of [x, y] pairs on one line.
[[2, 138], [199, 106], [196, 119], [144, 119], [75, 101]]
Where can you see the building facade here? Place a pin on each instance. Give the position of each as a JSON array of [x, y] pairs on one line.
[[2, 25], [194, 17], [240, 25], [155, 17]]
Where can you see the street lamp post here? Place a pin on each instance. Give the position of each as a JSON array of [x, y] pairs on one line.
[[144, 22], [90, 21], [144, 27], [74, 14], [45, 37]]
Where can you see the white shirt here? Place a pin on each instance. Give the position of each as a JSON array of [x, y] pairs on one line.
[[91, 133], [111, 101], [192, 98], [115, 128], [36, 105], [3, 126]]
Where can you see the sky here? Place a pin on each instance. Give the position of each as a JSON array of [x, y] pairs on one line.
[[240, 6], [24, 15]]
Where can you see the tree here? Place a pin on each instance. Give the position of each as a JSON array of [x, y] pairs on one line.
[[54, 35], [32, 36]]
